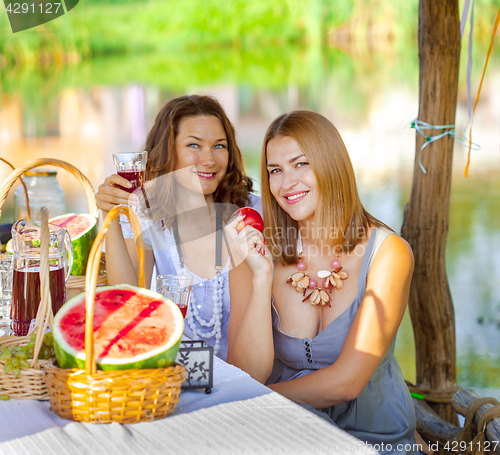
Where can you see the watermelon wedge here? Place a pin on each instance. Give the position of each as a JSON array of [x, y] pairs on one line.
[[9, 247], [82, 231], [133, 328]]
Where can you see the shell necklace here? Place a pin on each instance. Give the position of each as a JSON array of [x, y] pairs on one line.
[[331, 279], [193, 315]]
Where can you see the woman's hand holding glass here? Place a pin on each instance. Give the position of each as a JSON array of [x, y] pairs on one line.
[[248, 246], [111, 193]]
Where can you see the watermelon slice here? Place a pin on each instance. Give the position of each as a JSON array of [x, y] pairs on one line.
[[133, 328], [9, 247], [82, 231]]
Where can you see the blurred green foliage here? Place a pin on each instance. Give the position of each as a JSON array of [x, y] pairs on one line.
[[320, 77], [173, 28], [478, 370], [97, 27]]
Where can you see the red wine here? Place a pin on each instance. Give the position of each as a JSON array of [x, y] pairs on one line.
[[136, 178], [26, 296], [183, 310]]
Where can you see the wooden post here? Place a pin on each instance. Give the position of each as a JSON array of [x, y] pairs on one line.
[[426, 219]]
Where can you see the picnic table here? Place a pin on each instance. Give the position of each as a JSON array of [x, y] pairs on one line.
[[240, 416]]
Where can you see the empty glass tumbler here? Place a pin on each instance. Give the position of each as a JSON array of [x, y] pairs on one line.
[[6, 271]]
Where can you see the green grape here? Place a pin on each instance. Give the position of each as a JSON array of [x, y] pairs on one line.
[[16, 371], [8, 366], [15, 362], [48, 340], [23, 355], [24, 363], [44, 352], [4, 397], [5, 355]]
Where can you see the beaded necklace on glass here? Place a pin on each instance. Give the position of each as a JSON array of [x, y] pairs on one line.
[[215, 323]]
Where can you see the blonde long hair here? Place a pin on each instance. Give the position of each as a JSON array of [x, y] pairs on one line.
[[340, 220]]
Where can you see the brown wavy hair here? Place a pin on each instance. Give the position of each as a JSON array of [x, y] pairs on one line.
[[340, 219], [235, 187]]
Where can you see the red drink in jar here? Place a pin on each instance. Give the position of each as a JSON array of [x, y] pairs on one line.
[[26, 296], [136, 178]]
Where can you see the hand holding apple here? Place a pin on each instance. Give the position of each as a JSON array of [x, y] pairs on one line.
[[252, 218]]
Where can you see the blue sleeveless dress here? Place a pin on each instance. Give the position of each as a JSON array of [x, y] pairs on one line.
[[167, 262], [383, 412]]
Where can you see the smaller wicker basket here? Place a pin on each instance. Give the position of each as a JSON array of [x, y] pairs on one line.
[[30, 384], [123, 396]]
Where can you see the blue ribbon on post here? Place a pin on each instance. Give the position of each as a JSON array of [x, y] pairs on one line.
[[419, 126], [450, 129]]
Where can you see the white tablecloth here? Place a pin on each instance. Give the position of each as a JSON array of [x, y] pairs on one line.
[[240, 416]]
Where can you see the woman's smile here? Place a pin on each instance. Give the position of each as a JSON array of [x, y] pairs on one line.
[[206, 175], [293, 198]]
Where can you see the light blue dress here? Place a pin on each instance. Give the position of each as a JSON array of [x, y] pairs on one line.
[[383, 412], [167, 262]]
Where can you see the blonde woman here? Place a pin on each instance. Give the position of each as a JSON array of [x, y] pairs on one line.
[[318, 324]]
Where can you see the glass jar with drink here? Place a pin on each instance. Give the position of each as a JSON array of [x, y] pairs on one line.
[[26, 276], [43, 191]]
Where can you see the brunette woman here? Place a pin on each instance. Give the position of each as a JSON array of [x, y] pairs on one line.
[[194, 171]]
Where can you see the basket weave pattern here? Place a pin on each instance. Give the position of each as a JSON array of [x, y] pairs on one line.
[[76, 284], [123, 396], [29, 385]]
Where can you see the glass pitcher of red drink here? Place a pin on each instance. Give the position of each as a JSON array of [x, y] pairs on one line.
[[26, 278]]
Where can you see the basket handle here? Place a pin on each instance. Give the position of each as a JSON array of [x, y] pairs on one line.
[[93, 270], [44, 316], [24, 186], [87, 186]]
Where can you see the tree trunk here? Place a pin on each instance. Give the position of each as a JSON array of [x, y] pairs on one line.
[[425, 224]]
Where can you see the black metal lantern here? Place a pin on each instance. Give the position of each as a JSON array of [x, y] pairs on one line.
[[198, 358]]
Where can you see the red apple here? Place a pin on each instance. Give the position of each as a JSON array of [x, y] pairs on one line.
[[252, 217]]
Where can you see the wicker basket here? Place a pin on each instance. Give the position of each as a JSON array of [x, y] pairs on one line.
[[75, 284], [24, 187], [123, 396], [30, 384]]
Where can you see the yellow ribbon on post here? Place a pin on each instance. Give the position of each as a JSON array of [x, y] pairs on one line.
[[495, 27]]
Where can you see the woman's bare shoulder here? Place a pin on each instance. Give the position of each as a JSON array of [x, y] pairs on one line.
[[394, 252]]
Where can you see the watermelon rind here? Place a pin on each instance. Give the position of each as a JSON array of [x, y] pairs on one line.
[[9, 247], [82, 243], [163, 356]]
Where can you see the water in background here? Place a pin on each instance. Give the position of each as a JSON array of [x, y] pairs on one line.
[[84, 114]]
